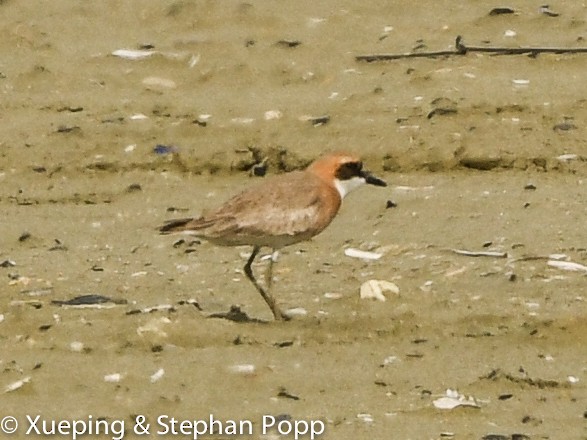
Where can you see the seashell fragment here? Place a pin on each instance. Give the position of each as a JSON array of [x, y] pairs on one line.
[[520, 82], [242, 121], [245, 369], [76, 346], [113, 378], [273, 114], [25, 281], [194, 59], [557, 256], [297, 311], [154, 82], [38, 292], [567, 265], [404, 188], [567, 157], [365, 417], [390, 360], [480, 253], [154, 328], [373, 289], [130, 54], [157, 375], [453, 400], [16, 385], [365, 255], [332, 295]]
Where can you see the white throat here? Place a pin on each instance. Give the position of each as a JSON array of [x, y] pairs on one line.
[[346, 186]]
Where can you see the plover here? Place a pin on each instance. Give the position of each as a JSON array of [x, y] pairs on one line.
[[281, 211]]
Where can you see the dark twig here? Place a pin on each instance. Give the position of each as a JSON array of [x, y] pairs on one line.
[[388, 57], [462, 49]]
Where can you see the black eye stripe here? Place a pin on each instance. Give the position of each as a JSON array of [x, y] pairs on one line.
[[349, 170]]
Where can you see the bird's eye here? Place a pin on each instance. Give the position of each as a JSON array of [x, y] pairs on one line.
[[349, 170], [355, 167]]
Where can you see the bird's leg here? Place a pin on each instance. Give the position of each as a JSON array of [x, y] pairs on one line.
[[277, 313], [269, 270]]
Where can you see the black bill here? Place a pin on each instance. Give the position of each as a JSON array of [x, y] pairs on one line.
[[373, 180]]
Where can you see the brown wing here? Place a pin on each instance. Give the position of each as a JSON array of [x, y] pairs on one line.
[[174, 225], [295, 205]]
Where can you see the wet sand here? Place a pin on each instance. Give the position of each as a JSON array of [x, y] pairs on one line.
[[499, 168]]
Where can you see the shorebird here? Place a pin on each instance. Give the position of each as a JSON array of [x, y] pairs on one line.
[[281, 211]]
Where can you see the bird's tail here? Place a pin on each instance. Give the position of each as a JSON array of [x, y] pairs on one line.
[[176, 225]]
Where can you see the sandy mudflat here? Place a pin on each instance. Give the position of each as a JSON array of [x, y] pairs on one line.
[[482, 153]]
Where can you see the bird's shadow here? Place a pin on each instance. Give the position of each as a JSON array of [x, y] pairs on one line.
[[235, 314]]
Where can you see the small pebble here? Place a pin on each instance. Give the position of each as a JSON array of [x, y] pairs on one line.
[[564, 126], [544, 9], [134, 187], [164, 149], [501, 11], [260, 169], [288, 43]]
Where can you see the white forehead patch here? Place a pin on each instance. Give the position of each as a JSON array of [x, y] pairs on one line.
[[346, 186]]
